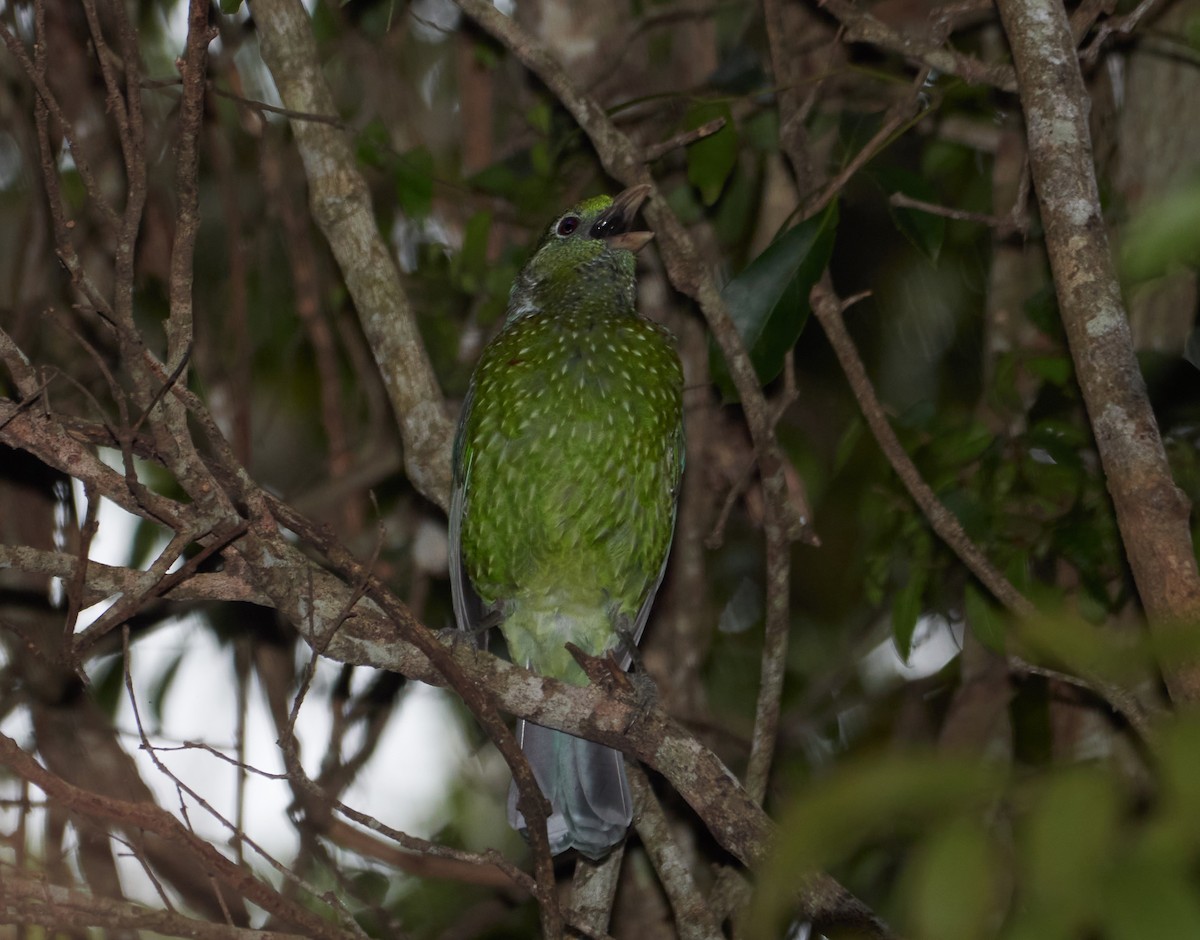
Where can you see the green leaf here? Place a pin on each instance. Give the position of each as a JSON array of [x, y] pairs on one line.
[[1067, 843], [983, 618], [1151, 899], [230, 7], [1191, 31], [906, 610], [854, 433], [958, 446], [862, 801], [156, 700], [107, 683], [768, 301], [372, 145], [952, 884], [711, 159], [539, 117], [1054, 369], [413, 178], [1163, 236], [926, 231], [470, 265]]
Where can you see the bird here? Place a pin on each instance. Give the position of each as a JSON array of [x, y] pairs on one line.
[[567, 464]]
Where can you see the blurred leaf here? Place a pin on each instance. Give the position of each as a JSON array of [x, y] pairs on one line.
[[1067, 843], [951, 883], [955, 447], [761, 130], [1069, 643], [540, 117], [470, 265], [107, 683], [744, 610], [906, 610], [859, 802], [542, 157], [711, 159], [147, 536], [924, 229], [1164, 235], [372, 146], [1054, 369], [1150, 897], [413, 178], [850, 437], [1191, 350], [768, 301], [230, 7], [984, 618], [156, 698]]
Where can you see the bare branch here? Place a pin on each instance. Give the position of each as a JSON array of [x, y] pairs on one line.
[[862, 26], [341, 206], [1152, 512], [693, 918], [151, 818], [26, 900]]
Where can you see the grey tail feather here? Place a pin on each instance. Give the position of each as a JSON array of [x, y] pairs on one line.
[[585, 782]]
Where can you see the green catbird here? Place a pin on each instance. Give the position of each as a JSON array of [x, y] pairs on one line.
[[567, 465]]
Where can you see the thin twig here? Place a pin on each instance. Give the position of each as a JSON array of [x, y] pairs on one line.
[[151, 818], [1003, 225], [285, 871], [683, 139], [903, 113], [862, 26], [1118, 26], [829, 309]]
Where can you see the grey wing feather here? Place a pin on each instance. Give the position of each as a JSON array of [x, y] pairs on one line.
[[585, 782]]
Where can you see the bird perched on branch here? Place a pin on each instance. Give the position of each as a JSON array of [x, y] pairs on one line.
[[567, 465]]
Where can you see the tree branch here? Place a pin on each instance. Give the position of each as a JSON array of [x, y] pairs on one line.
[[150, 818], [29, 901], [1152, 512], [341, 205], [861, 26]]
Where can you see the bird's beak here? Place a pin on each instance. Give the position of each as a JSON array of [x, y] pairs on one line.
[[617, 219]]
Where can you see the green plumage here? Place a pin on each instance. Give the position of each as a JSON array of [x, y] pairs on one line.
[[567, 468]]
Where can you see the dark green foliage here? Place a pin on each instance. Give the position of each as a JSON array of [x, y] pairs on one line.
[[768, 300]]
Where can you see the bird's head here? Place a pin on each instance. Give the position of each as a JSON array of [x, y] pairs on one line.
[[585, 257]]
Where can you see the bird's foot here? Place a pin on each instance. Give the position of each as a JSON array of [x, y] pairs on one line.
[[603, 671]]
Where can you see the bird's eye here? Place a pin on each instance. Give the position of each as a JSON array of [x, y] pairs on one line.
[[567, 225]]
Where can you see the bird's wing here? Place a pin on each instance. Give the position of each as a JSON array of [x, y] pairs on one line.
[[676, 453], [468, 608]]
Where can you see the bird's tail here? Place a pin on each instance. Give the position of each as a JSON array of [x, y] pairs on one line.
[[585, 782]]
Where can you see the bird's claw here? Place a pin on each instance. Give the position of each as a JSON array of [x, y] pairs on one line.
[[603, 671]]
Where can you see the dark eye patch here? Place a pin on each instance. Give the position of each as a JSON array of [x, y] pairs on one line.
[[567, 225]]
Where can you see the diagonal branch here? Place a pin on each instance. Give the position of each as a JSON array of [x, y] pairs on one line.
[[31, 901], [150, 818], [1152, 512], [341, 205]]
